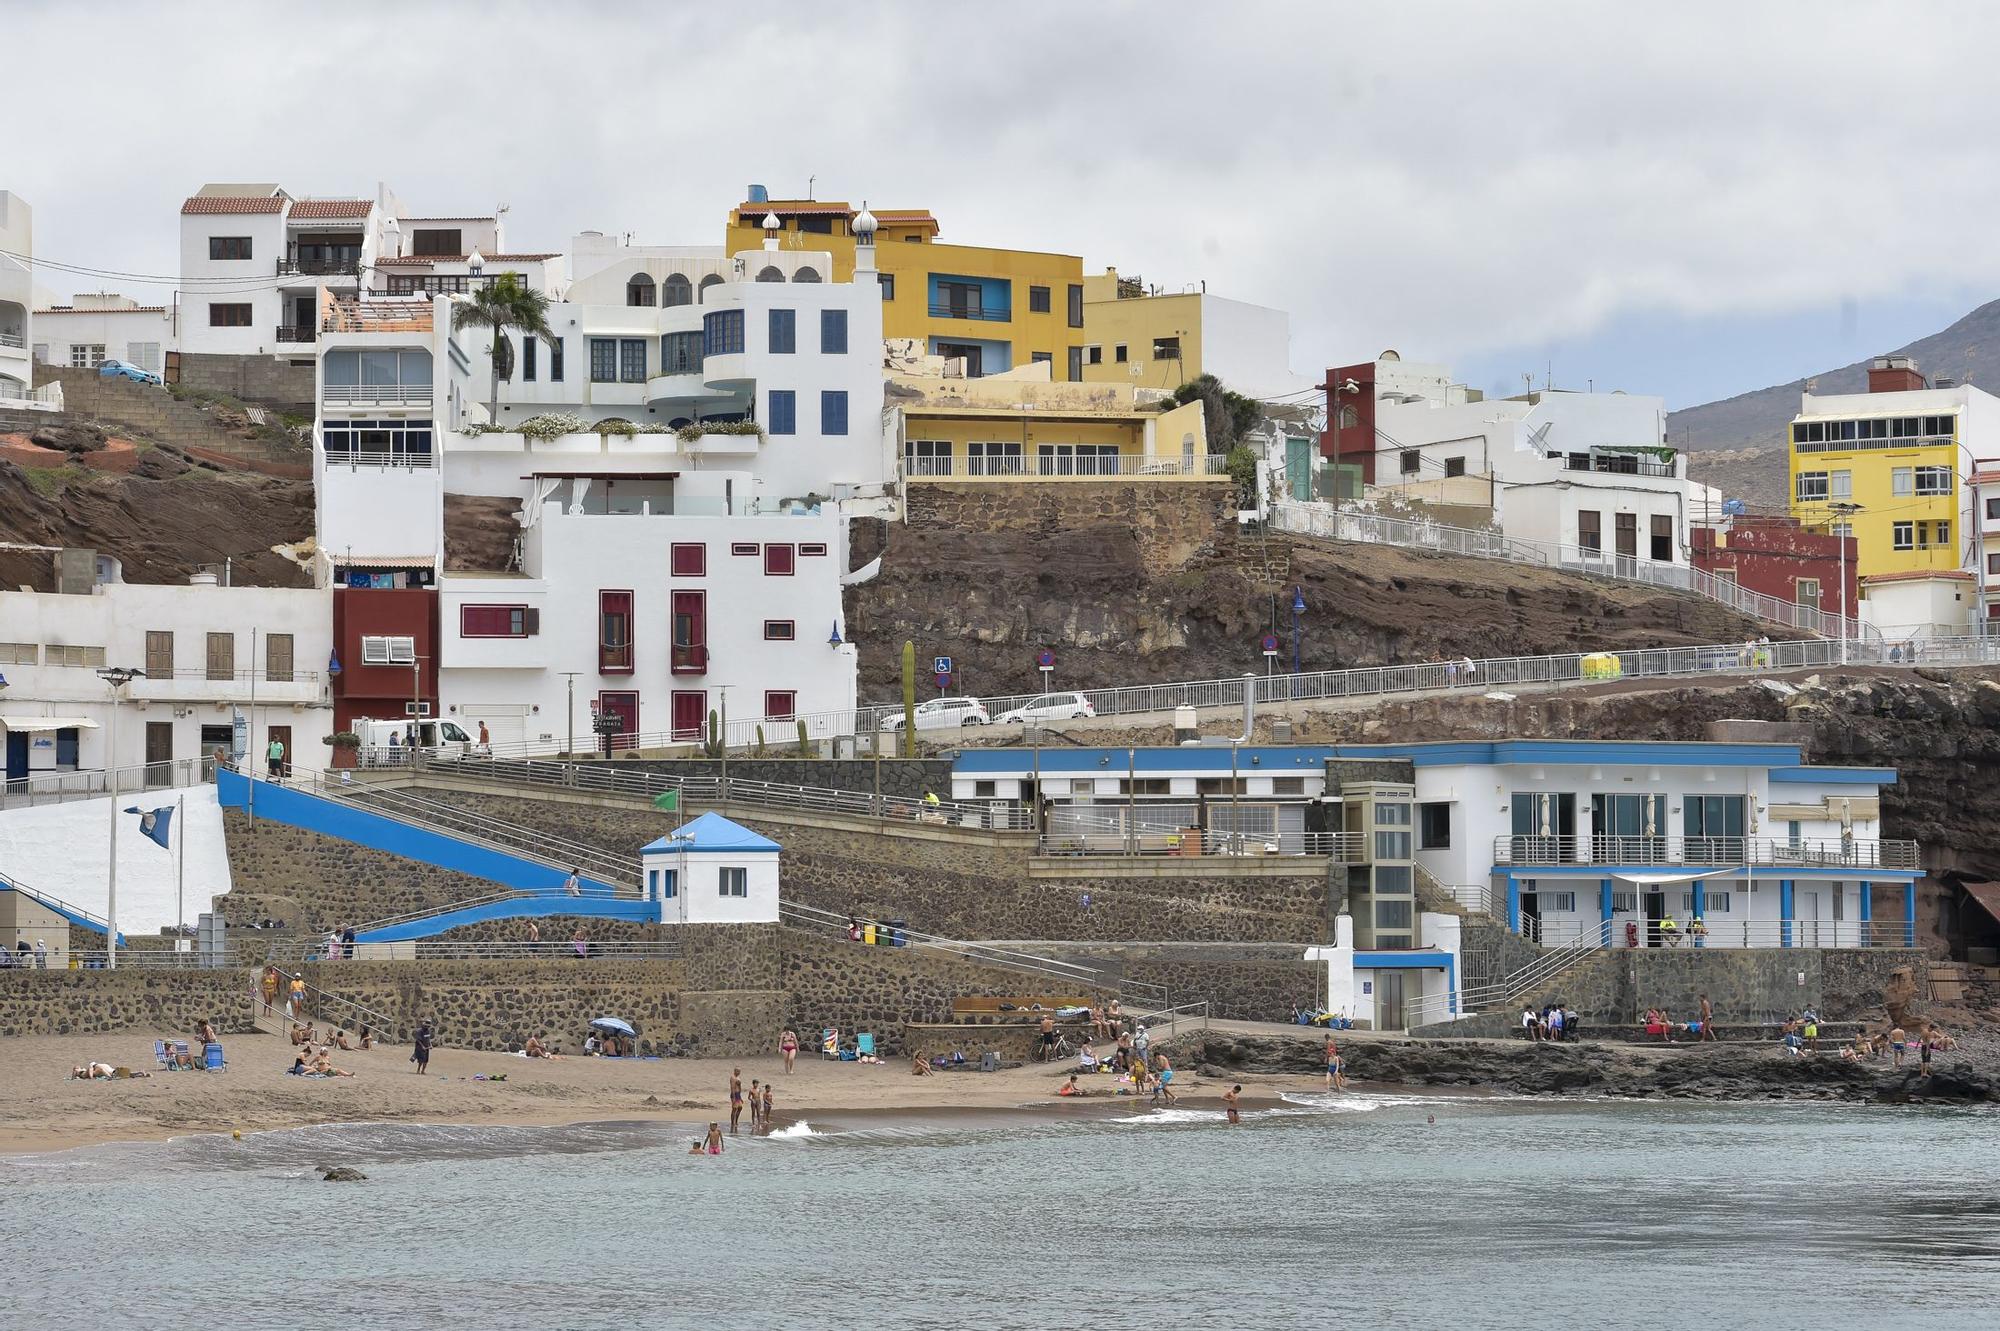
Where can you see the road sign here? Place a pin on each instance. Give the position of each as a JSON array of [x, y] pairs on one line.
[[941, 665], [1270, 644], [1047, 660], [943, 677]]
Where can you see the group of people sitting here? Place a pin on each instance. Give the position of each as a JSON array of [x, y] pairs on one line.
[[610, 1045], [1557, 1022], [1897, 1044], [1155, 1078], [315, 1056]]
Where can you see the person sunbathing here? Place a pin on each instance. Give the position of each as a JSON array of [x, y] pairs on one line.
[[367, 1038], [103, 1072], [340, 1040], [325, 1068], [919, 1068]]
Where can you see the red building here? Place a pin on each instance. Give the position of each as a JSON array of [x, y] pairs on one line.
[[1350, 417], [386, 642], [1777, 557]]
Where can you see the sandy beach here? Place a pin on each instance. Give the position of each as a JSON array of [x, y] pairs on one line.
[[42, 1111]]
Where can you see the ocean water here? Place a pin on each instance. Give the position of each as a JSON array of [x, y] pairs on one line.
[[1354, 1211]]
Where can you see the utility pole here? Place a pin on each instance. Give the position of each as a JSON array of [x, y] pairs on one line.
[[1843, 510]]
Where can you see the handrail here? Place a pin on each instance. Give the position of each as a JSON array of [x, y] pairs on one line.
[[83, 783], [54, 902], [1725, 851], [376, 1023], [662, 949], [1150, 1019]]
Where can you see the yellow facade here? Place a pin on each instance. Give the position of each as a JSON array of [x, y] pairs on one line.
[[1145, 341], [1911, 502], [994, 429], [927, 287]]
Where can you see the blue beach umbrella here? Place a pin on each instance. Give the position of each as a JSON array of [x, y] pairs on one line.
[[613, 1025]]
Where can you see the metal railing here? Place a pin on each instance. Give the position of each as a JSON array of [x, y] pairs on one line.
[[319, 1005], [1075, 467], [1721, 931], [267, 675], [399, 393], [436, 949], [1335, 524], [979, 312], [1723, 851], [1618, 464], [156, 959], [55, 902], [38, 788], [1165, 1023], [319, 267], [1112, 838], [409, 459], [15, 340], [297, 333]]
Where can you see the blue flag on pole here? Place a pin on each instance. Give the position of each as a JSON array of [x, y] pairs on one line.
[[156, 824]]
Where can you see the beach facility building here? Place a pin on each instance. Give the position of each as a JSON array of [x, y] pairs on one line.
[[712, 871]]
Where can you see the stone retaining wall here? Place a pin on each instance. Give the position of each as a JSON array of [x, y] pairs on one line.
[[316, 882], [81, 1002], [910, 778]]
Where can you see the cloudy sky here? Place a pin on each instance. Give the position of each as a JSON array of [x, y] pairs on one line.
[[1692, 199]]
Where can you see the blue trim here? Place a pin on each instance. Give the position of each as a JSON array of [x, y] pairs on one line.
[[1910, 914], [1836, 872], [1424, 960], [349, 822], [1604, 900], [1785, 909], [1513, 903], [1867, 901], [81, 921], [1833, 776], [519, 908], [1697, 900]]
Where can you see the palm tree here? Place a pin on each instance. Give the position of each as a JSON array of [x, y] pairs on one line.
[[501, 304]]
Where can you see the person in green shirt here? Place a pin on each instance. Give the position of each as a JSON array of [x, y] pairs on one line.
[[274, 756]]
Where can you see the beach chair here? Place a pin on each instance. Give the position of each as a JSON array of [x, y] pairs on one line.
[[864, 1045], [182, 1058], [829, 1042], [162, 1057], [212, 1058]]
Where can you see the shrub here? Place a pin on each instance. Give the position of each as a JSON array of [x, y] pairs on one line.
[[689, 433], [550, 425]]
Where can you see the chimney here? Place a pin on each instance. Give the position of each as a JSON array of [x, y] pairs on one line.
[[1894, 374]]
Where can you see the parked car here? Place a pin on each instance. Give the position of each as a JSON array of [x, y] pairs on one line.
[[1050, 707], [943, 714], [120, 369]]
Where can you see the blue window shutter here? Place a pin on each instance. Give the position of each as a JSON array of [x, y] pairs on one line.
[[833, 412], [784, 332], [784, 412], [833, 332]]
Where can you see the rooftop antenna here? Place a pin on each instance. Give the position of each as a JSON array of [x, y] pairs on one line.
[[809, 185]]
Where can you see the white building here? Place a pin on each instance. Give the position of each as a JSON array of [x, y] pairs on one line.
[[1919, 603], [712, 871], [96, 326], [17, 301], [209, 653]]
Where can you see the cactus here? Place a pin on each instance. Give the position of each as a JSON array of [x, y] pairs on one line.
[[804, 749], [909, 697], [714, 734], [759, 750]]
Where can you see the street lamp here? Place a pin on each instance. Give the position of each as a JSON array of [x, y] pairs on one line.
[[1843, 509], [569, 746], [117, 677]]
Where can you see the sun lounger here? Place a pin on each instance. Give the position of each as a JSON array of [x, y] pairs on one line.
[[829, 1042], [162, 1056], [864, 1045]]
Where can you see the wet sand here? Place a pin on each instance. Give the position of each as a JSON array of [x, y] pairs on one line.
[[42, 1111]]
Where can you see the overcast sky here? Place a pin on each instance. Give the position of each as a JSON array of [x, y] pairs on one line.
[[1690, 199]]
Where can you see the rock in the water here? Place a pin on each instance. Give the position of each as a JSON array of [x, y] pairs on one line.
[[340, 1174]]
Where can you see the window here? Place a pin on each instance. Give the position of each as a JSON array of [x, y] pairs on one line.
[[640, 290], [680, 353], [1392, 914], [1811, 486], [86, 355], [1434, 826], [1943, 534], [930, 457], [632, 360], [1993, 510], [1221, 785], [1840, 485], [1903, 535], [227, 316], [614, 633], [1392, 845], [722, 333], [1166, 348], [1038, 300], [1041, 357], [814, 549], [993, 459], [604, 360], [1454, 466], [733, 882], [222, 656], [1993, 564], [1662, 551], [493, 621], [701, 288], [1392, 815], [555, 360], [68, 654], [20, 653], [278, 658], [1410, 461], [833, 412], [1557, 901], [436, 242], [1076, 305], [1288, 785], [688, 621], [888, 284], [1590, 530], [229, 247], [779, 560], [783, 412], [388, 651], [745, 548], [780, 704], [159, 654], [784, 332], [688, 559], [780, 630], [378, 443], [1934, 480], [1093, 355], [1076, 365], [770, 272], [1119, 354], [1901, 480], [676, 290], [530, 346], [833, 332]]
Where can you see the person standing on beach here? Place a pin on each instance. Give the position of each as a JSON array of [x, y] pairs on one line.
[[1229, 1098], [1166, 1087], [788, 1045], [269, 985], [756, 1103], [714, 1142], [1707, 1020], [735, 1098], [298, 997], [420, 1054], [1048, 1029], [1332, 1062], [1897, 1043], [767, 1106]]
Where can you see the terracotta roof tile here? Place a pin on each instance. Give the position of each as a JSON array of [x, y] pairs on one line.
[[133, 309], [308, 208], [425, 260], [795, 209], [488, 218], [1917, 574], [201, 204]]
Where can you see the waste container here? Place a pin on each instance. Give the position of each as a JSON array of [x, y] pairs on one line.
[[868, 934], [896, 938]]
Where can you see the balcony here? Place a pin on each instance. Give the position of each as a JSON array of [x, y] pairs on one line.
[[1619, 464], [376, 394], [14, 340], [1719, 852], [297, 333], [981, 312], [319, 268], [689, 659], [199, 684]]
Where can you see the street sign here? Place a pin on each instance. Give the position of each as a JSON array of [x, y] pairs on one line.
[[941, 665], [943, 677], [1046, 661], [1270, 644]]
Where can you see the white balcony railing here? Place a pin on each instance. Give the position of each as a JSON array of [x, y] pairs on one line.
[[398, 393], [15, 340], [1065, 467], [1851, 853]]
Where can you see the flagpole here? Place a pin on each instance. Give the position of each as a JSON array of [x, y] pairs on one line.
[[180, 868]]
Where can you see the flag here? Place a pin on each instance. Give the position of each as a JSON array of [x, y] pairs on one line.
[[156, 824], [667, 801]]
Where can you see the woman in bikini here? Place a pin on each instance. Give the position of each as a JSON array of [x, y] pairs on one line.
[[788, 1045]]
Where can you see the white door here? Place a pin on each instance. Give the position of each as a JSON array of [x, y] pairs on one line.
[[1805, 908], [506, 724]]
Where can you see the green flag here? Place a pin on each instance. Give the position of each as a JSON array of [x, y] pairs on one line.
[[667, 801]]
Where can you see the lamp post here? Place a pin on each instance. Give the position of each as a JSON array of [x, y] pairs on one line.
[[117, 677], [1843, 509], [569, 745]]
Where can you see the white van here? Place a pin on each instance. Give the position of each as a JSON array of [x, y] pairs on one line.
[[388, 743]]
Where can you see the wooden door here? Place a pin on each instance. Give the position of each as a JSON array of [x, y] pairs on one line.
[[159, 752], [690, 713], [283, 734]]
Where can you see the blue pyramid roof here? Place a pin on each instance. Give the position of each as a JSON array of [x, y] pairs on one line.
[[713, 832]]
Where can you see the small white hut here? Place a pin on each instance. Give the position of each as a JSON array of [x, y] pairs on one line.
[[712, 871]]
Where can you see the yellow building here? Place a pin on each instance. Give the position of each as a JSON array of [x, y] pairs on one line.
[[994, 309], [1893, 453], [1024, 427], [1151, 338]]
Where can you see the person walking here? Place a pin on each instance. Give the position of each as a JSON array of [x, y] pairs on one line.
[[298, 990], [573, 885], [1166, 1087], [41, 954], [767, 1106], [274, 757], [268, 985], [1707, 1020], [1333, 1077], [735, 1098], [756, 1103], [713, 1143], [788, 1046], [534, 934], [420, 1051]]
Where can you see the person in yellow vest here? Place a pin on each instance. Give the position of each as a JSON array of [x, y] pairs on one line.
[[1670, 932]]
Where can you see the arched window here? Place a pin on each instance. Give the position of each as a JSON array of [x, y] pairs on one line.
[[676, 290], [1349, 418], [712, 280], [770, 274], [639, 290], [806, 275]]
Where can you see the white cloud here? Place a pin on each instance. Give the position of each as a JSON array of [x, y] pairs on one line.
[[1445, 178]]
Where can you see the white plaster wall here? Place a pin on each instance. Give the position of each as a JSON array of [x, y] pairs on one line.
[[63, 851], [699, 899], [120, 332], [201, 285], [1248, 347]]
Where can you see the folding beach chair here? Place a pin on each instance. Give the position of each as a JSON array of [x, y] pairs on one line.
[[182, 1058], [864, 1045], [162, 1057], [829, 1042]]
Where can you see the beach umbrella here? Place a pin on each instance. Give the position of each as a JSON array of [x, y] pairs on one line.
[[613, 1025]]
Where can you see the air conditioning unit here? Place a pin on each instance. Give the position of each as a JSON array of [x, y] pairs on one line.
[[416, 709]]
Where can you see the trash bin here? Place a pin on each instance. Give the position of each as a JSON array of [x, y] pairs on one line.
[[868, 934], [896, 938]]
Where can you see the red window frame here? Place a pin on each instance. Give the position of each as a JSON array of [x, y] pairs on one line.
[[813, 549], [467, 614], [781, 630], [781, 704], [615, 603], [781, 559], [744, 548], [688, 713], [687, 632], [629, 709], [688, 559]]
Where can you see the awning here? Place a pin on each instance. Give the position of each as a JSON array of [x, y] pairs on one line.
[[37, 724], [1657, 879], [384, 561], [1987, 895]]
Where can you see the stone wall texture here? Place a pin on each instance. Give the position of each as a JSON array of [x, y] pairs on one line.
[[911, 778], [83, 1002], [316, 882]]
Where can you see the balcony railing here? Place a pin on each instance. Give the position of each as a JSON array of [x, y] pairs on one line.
[[319, 267], [990, 315], [1714, 851], [12, 340], [264, 676], [378, 316], [1618, 464], [416, 393], [689, 659], [374, 457], [1031, 468], [297, 333]]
